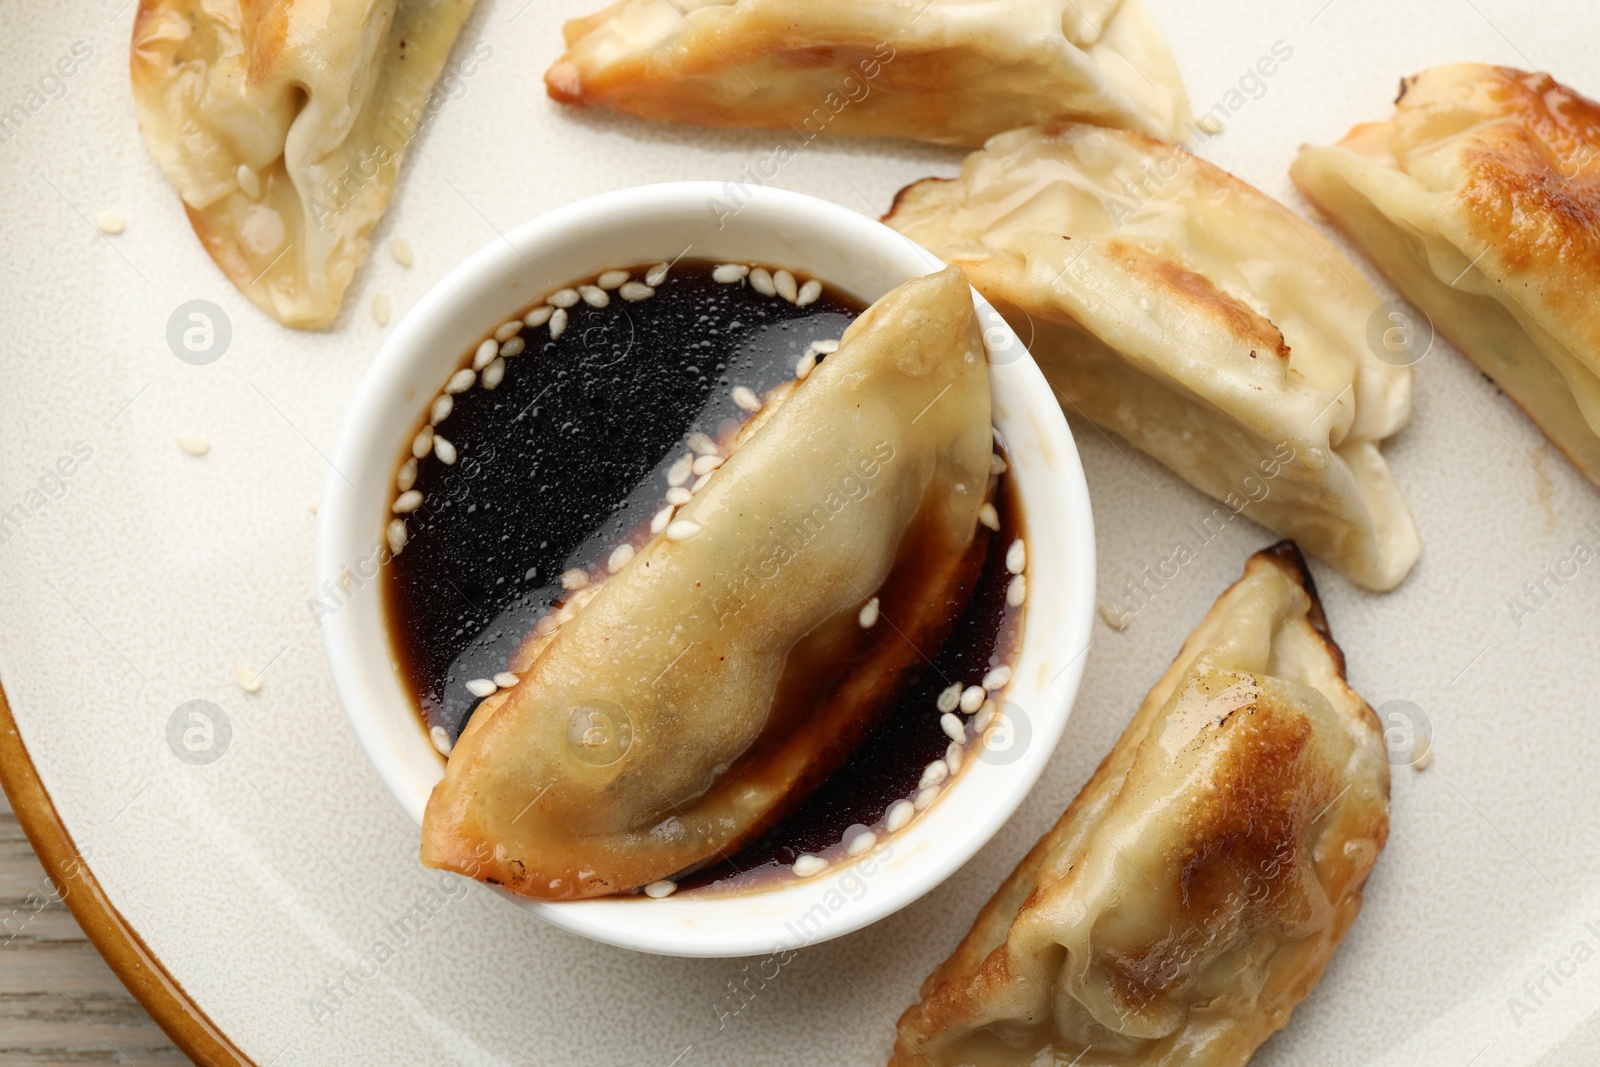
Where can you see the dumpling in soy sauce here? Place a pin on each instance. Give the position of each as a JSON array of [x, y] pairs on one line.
[[723, 673]]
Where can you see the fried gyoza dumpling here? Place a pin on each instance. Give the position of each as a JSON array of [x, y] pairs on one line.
[[1194, 891], [947, 71], [1174, 304], [282, 126], [723, 673], [1480, 199]]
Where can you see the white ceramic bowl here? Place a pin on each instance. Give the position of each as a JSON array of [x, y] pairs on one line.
[[864, 258]]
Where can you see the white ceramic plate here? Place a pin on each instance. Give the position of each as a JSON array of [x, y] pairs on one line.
[[278, 884]]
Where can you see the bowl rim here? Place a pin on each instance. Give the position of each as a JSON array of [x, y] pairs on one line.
[[706, 925]]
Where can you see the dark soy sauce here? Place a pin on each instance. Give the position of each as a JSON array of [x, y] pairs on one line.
[[568, 455]]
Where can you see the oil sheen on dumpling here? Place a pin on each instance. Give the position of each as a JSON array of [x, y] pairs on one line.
[[282, 126], [1480, 199], [947, 71], [723, 673], [1171, 302], [1194, 891]]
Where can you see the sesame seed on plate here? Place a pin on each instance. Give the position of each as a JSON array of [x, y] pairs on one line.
[[954, 753], [953, 727], [635, 291], [663, 888], [998, 678], [400, 249], [807, 865], [700, 444], [481, 687], [538, 316], [707, 464], [868, 617], [445, 450], [933, 774], [1016, 557], [679, 496], [248, 679], [900, 813], [442, 407], [462, 379], [949, 697], [861, 842], [659, 520], [441, 740], [1017, 591], [422, 444], [997, 464], [564, 298], [972, 698], [514, 347], [611, 279], [619, 558], [193, 444], [989, 517], [594, 296], [784, 282], [807, 364], [761, 282], [576, 578], [380, 308], [657, 274], [109, 222], [729, 272], [507, 330], [809, 292], [682, 529], [494, 373], [558, 323], [505, 679], [680, 470], [408, 501], [746, 398], [925, 798], [249, 181]]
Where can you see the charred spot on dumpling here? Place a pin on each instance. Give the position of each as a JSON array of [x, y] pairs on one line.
[[1180, 284]]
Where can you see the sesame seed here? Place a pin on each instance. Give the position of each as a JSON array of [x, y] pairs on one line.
[[619, 558], [657, 274], [1420, 763], [507, 330], [861, 842], [663, 888], [558, 323], [761, 282], [925, 798], [400, 250], [594, 296], [1113, 618], [408, 501], [407, 476], [422, 444], [809, 292], [659, 520], [997, 465], [538, 316], [109, 222], [635, 291], [933, 774], [784, 281], [827, 347], [442, 407], [249, 181], [999, 441], [312, 507], [729, 272], [1016, 556], [700, 482], [954, 753], [680, 470], [193, 444], [953, 727], [998, 678], [972, 698], [380, 308], [679, 496], [706, 464], [396, 534], [807, 865], [611, 279], [949, 698], [505, 679], [248, 680], [445, 450], [481, 687], [494, 374], [576, 578], [900, 813], [441, 740], [462, 379], [682, 530], [985, 716], [868, 618], [746, 398], [514, 347], [701, 445], [564, 298], [989, 517], [807, 364], [1017, 591]]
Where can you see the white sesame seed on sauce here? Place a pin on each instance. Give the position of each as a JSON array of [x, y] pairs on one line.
[[481, 687], [461, 380], [949, 698], [505, 679], [868, 616], [679, 496], [663, 888], [761, 281], [494, 374], [682, 529], [954, 753], [1016, 557], [441, 740], [193, 444], [745, 397], [380, 309], [507, 330], [784, 282], [620, 557], [659, 520], [998, 678], [985, 716], [700, 444], [611, 279], [249, 181], [558, 323], [727, 273], [484, 353], [396, 533], [1017, 591], [442, 407], [408, 501], [808, 865], [826, 347], [564, 298], [422, 444], [657, 274], [989, 517], [407, 476], [635, 291], [445, 450], [925, 798], [953, 727], [248, 679], [933, 774], [514, 347], [700, 482], [997, 464], [680, 470], [594, 296], [538, 316], [972, 698], [861, 842], [400, 250], [576, 578], [809, 292], [807, 364], [707, 464], [900, 813], [109, 222]]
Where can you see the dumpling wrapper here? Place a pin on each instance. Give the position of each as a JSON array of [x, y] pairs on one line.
[[282, 126], [1194, 891], [947, 71], [1174, 304], [715, 680], [1480, 200]]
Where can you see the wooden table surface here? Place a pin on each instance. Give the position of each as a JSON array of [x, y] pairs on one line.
[[59, 1002]]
